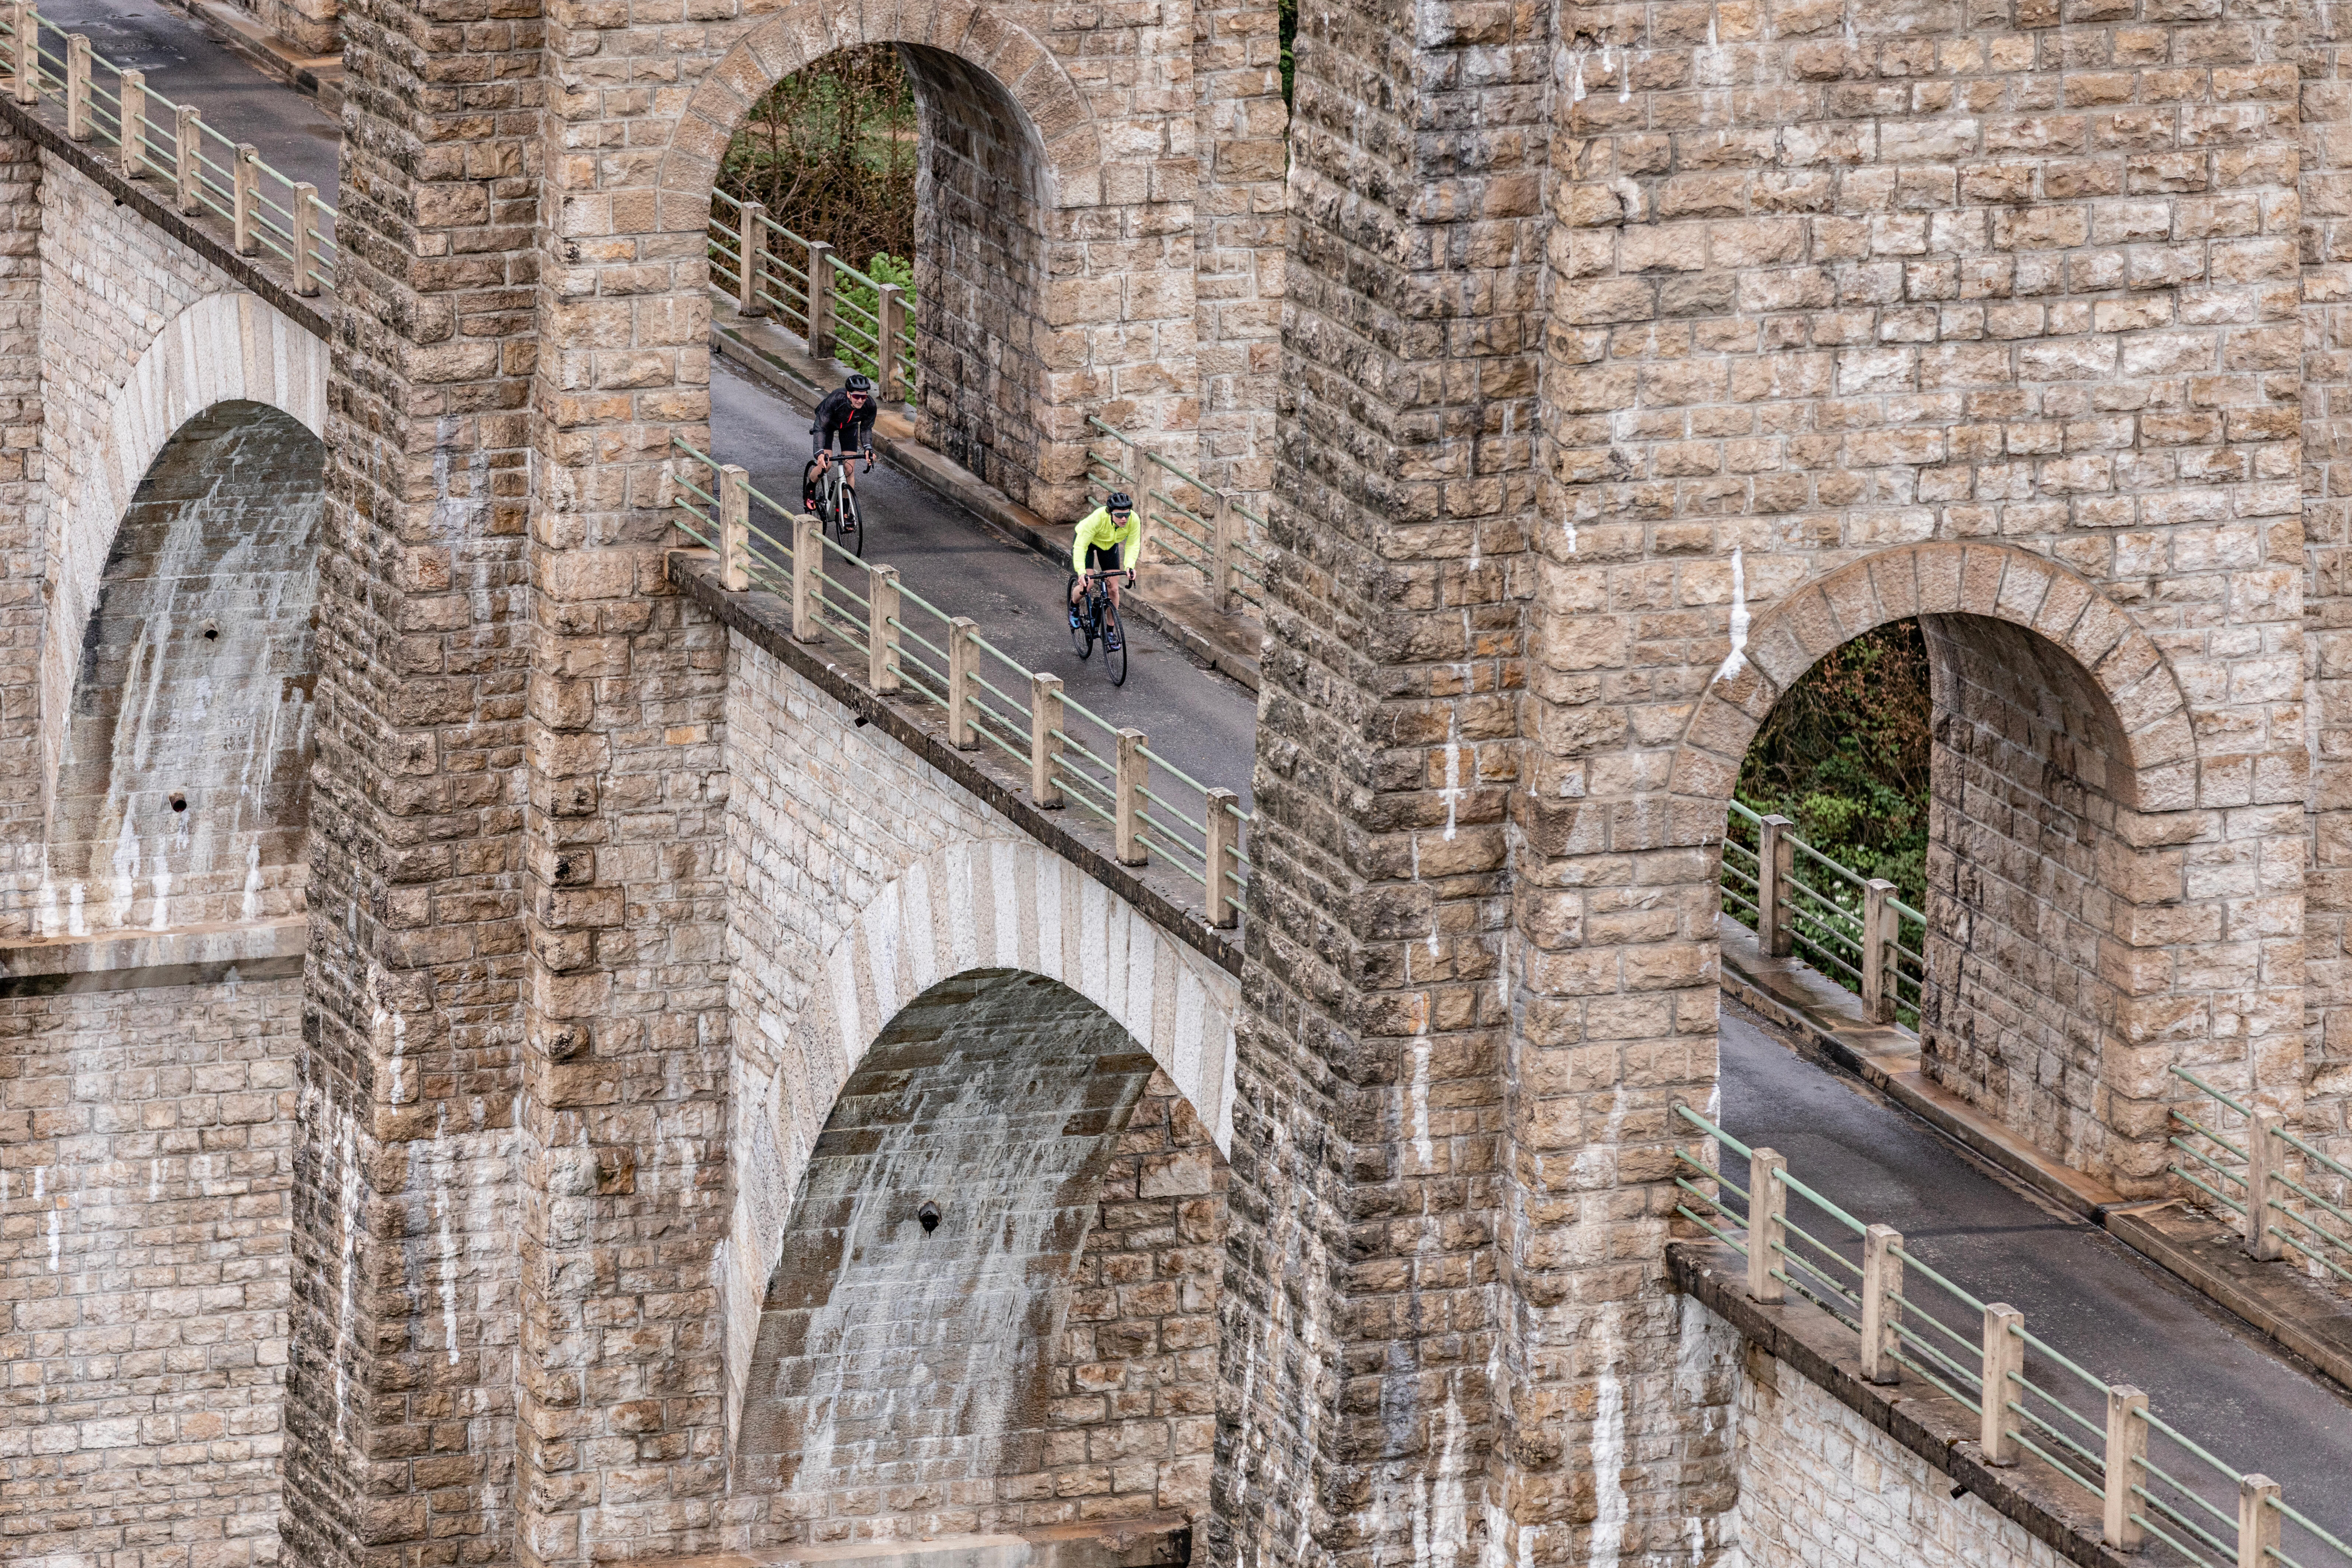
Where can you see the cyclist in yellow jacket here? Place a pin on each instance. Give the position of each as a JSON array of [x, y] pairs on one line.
[[1105, 541]]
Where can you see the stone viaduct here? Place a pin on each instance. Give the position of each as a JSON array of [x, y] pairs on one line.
[[485, 1009]]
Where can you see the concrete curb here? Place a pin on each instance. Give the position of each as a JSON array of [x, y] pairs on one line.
[[2297, 1314], [777, 364]]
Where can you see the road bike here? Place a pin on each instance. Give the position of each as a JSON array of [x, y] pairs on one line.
[[1097, 618], [837, 505]]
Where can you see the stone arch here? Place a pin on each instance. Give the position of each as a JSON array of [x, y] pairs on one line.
[[1004, 904], [805, 31], [1047, 287], [226, 347], [2068, 902], [1997, 582]]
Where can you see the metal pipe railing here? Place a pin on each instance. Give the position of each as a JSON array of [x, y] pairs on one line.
[[2147, 1477], [2262, 1166], [841, 312], [1072, 755], [1848, 926], [111, 107]]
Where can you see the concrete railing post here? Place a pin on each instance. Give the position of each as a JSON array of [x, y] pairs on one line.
[[134, 150], [24, 51], [881, 631], [1775, 862], [1224, 549], [187, 171], [1224, 858], [246, 198], [2265, 1151], [77, 87], [807, 555], [1768, 1226], [751, 251], [1044, 741], [734, 528], [890, 353], [2127, 1465], [2004, 1364], [820, 298], [306, 236], [964, 658], [1879, 926], [1882, 1303], [1129, 779], [2258, 1521]]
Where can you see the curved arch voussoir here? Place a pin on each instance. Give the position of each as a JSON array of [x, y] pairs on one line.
[[2001, 582], [805, 31]]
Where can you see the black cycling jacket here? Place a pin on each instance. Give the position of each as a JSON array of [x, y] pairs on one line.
[[834, 416]]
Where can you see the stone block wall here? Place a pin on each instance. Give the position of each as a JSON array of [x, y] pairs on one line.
[[146, 1188], [1949, 273], [1818, 1483]]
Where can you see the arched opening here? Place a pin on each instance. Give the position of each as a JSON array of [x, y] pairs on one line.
[[973, 363], [181, 796], [1048, 1334], [2069, 895]]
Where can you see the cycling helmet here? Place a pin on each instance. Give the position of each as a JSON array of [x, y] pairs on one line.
[[857, 383], [1119, 501]]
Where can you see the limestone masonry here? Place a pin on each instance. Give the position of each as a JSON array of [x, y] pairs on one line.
[[483, 1024]]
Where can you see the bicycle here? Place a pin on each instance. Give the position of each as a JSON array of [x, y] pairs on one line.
[[836, 506], [1099, 617]]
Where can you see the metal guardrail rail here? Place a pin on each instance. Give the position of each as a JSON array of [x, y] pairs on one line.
[[1801, 902], [840, 313], [916, 651], [2262, 1171], [1185, 521], [207, 173], [2151, 1481]]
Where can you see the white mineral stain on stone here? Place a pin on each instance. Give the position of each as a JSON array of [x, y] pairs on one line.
[[1737, 660], [77, 924]]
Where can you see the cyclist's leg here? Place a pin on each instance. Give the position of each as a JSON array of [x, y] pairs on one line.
[[808, 486]]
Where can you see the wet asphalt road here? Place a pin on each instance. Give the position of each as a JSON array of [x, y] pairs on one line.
[[2086, 1295], [1200, 720], [187, 64]]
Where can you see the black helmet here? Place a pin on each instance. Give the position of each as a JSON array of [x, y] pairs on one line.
[[857, 383], [1119, 501]]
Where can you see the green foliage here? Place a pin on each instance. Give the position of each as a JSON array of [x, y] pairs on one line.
[[1285, 14], [1846, 755], [832, 150]]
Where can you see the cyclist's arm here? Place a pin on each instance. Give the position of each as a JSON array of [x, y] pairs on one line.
[[1078, 547]]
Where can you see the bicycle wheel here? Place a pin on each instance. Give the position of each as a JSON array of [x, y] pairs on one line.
[[1114, 645], [853, 527], [1082, 635]]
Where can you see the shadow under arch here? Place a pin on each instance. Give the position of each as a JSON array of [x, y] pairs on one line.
[[228, 347], [181, 796], [1009, 162], [946, 1314], [2065, 786], [1000, 903]]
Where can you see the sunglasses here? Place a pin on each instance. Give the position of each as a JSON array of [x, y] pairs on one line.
[[856, 397]]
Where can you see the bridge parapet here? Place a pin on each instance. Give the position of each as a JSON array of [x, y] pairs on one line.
[[1062, 754], [60, 84]]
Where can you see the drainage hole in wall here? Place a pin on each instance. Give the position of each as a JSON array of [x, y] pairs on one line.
[[212, 631], [179, 802]]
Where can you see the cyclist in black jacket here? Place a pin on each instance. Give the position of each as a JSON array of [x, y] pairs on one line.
[[846, 414]]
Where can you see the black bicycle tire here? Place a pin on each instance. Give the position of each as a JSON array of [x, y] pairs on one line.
[[1082, 635], [853, 524], [1114, 651]]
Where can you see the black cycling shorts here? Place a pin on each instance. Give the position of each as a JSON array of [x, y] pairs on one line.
[[1102, 558]]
